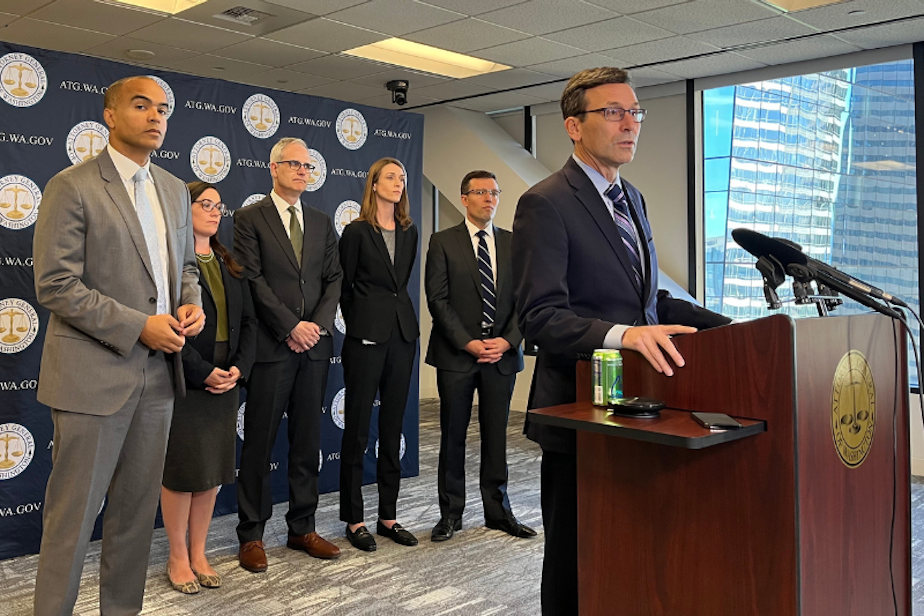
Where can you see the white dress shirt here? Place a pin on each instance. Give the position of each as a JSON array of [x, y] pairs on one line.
[[282, 206], [489, 240], [127, 168]]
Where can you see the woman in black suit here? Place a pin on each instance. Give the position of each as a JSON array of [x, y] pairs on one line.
[[377, 253], [201, 449]]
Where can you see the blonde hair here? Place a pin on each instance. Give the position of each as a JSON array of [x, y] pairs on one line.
[[369, 207]]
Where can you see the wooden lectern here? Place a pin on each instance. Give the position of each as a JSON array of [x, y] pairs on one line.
[[804, 512]]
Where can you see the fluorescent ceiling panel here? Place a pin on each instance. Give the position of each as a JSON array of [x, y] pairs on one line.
[[171, 7], [799, 5], [425, 58]]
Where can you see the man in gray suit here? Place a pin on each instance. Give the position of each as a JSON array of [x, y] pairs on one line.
[[114, 262]]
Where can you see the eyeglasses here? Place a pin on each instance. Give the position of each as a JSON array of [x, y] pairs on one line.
[[296, 165], [616, 114], [481, 192], [208, 206]]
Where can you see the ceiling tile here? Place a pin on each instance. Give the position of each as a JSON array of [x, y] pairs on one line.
[[569, 66], [529, 51], [541, 16], [282, 79], [705, 14], [794, 51], [875, 37], [773, 29], [96, 16], [642, 77], [467, 35], [344, 91], [497, 102], [384, 101], [22, 7], [6, 18], [512, 78], [326, 35], [271, 53], [396, 17], [340, 68], [35, 33], [718, 64], [416, 79], [218, 68], [163, 55], [317, 7], [474, 7], [282, 17], [627, 7], [453, 88], [608, 34], [659, 51], [547, 92], [175, 32], [835, 16]]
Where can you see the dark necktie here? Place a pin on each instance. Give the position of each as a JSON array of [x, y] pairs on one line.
[[626, 229], [487, 281], [295, 234]]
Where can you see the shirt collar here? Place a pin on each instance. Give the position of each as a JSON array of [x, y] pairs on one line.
[[282, 205], [126, 167], [472, 229], [596, 177]]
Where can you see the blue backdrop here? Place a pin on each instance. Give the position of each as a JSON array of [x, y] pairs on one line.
[[51, 117]]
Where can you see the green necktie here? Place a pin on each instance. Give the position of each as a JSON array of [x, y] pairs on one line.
[[295, 234]]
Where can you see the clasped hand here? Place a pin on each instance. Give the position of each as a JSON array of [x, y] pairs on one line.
[[488, 351], [164, 332], [220, 381], [303, 336]]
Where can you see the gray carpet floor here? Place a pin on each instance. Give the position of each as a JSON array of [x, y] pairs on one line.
[[479, 572]]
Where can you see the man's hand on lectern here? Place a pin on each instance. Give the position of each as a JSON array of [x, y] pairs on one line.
[[650, 339]]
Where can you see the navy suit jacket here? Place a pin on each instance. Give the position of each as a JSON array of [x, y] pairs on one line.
[[574, 283]]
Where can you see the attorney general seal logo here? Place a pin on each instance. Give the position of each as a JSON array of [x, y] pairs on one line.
[[19, 324], [16, 449], [853, 409], [171, 99], [86, 140], [22, 80], [261, 116], [337, 408], [19, 201], [210, 159], [317, 177], [351, 129], [347, 212]]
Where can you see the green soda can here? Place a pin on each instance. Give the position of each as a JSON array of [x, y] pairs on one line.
[[612, 376], [598, 391]]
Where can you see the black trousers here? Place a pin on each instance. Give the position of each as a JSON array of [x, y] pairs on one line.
[[367, 369], [559, 518], [457, 390], [298, 382]]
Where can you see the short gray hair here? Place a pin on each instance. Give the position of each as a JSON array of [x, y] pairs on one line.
[[276, 152]]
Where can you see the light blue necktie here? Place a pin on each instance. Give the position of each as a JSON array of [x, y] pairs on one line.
[[149, 228]]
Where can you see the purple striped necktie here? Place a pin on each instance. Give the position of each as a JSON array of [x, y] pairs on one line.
[[626, 229]]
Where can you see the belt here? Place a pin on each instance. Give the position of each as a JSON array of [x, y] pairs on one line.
[[487, 332]]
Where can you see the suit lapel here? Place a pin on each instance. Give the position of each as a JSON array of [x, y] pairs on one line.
[[638, 216], [502, 250], [271, 215], [116, 189], [467, 249], [379, 240]]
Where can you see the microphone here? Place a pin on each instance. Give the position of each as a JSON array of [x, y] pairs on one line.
[[803, 267]]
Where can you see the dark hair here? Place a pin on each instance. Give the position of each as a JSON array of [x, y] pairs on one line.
[[476, 175], [234, 268], [572, 98]]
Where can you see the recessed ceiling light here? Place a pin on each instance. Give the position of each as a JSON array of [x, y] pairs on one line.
[[140, 54], [790, 6], [425, 58], [171, 7]]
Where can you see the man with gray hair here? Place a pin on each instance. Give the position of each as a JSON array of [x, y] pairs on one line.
[[289, 254]]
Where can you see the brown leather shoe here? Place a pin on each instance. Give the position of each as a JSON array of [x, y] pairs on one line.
[[253, 557], [314, 544]]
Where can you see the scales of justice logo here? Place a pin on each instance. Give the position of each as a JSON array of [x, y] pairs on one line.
[[317, 177], [19, 324], [853, 409], [210, 159], [171, 99], [22, 80], [352, 129], [347, 212], [19, 201], [16, 449], [338, 408], [261, 116], [86, 140]]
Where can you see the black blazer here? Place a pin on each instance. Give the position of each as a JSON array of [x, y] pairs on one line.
[[283, 293], [198, 352], [374, 291], [453, 285], [573, 283]]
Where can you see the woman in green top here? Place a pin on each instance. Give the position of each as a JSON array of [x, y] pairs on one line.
[[201, 449]]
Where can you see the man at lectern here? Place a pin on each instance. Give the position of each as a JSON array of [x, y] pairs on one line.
[[586, 277]]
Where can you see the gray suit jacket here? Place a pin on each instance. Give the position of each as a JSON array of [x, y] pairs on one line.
[[93, 272]]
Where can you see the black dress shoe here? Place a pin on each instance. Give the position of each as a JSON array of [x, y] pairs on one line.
[[361, 539], [511, 526], [444, 529], [396, 533]]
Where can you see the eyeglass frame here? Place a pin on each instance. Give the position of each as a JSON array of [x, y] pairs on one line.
[[483, 191], [222, 208], [296, 165], [607, 111]]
